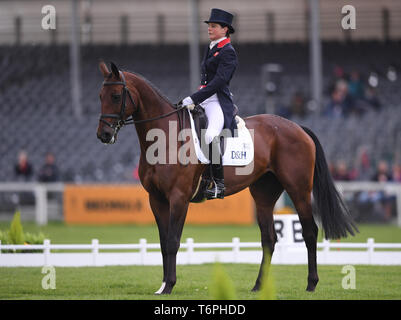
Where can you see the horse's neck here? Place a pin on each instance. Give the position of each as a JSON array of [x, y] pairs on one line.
[[151, 105]]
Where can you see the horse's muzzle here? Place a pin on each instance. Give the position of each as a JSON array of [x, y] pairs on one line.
[[106, 137]]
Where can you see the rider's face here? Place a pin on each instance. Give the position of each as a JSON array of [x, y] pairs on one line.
[[216, 31]]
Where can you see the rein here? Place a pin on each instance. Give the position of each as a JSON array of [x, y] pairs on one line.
[[130, 120]]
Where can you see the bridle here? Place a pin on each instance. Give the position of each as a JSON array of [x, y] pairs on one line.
[[120, 117]]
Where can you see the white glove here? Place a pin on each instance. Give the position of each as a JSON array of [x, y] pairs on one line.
[[188, 102]]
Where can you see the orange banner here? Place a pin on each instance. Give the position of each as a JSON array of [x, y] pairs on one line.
[[104, 204]]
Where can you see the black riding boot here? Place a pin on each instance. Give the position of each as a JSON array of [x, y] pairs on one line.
[[216, 190]]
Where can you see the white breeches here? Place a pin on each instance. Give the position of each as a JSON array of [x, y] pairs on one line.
[[215, 117]]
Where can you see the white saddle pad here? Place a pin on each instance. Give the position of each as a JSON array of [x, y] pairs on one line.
[[239, 151]]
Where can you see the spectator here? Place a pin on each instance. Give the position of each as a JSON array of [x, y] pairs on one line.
[[297, 107], [340, 104], [341, 172], [355, 86], [356, 91], [381, 199], [363, 166], [23, 169], [49, 171], [338, 75], [397, 173], [382, 172], [372, 99]]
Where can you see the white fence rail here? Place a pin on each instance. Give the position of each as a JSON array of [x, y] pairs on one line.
[[196, 253], [40, 191]]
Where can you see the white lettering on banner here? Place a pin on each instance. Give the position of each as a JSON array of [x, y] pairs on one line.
[[288, 228]]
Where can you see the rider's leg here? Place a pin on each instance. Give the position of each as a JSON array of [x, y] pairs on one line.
[[217, 189], [216, 123], [215, 117]]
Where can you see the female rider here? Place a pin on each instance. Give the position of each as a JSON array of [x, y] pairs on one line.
[[217, 68]]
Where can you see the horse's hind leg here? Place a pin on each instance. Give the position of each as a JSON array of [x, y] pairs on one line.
[[303, 204], [295, 170], [265, 191]]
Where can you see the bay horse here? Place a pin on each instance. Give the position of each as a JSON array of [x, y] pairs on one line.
[[286, 157]]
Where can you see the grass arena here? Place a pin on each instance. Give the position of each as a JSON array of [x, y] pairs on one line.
[[138, 282]]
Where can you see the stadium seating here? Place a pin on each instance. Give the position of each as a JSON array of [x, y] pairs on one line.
[[36, 113]]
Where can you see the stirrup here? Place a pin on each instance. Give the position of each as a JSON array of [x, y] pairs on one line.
[[215, 192]]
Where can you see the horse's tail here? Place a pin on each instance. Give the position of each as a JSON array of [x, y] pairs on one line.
[[329, 208]]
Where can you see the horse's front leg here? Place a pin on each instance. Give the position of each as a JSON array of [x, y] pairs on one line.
[[161, 211], [178, 211]]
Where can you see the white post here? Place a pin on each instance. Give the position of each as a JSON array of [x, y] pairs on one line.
[[236, 243], [326, 250], [142, 250], [371, 250], [190, 249], [41, 204], [95, 251], [399, 206], [194, 61], [315, 54], [46, 251]]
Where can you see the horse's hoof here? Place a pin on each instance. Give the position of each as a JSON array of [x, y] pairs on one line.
[[312, 285], [164, 289], [256, 288], [310, 288], [160, 291]]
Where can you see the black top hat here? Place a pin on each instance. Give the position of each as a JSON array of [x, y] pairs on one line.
[[221, 17]]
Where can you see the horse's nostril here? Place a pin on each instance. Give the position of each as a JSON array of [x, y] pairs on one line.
[[105, 136]]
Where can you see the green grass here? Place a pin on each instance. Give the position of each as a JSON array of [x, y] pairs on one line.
[[60, 233], [193, 282]]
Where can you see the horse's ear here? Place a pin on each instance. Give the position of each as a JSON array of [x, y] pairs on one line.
[[103, 69], [114, 70]]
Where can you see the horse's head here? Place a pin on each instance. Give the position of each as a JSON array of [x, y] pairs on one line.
[[117, 103]]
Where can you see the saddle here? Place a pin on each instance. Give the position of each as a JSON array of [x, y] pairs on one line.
[[200, 119]]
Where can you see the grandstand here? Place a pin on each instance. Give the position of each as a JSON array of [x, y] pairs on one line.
[[36, 113]]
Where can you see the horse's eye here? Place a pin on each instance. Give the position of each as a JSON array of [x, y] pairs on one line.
[[115, 98]]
